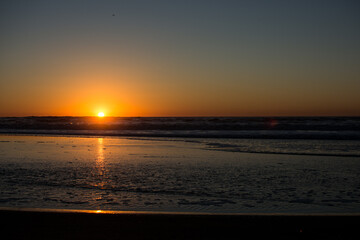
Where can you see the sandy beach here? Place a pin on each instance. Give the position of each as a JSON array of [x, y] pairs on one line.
[[61, 187], [66, 224], [164, 175]]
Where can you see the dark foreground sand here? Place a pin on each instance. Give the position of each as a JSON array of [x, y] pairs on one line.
[[20, 224]]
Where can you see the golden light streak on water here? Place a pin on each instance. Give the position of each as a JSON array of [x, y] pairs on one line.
[[100, 167]]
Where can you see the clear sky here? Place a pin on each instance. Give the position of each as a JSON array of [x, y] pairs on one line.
[[180, 58]]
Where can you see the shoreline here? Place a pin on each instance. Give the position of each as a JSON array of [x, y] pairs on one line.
[[29, 223], [184, 139], [214, 134]]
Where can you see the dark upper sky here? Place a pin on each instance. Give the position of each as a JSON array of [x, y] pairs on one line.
[[183, 58]]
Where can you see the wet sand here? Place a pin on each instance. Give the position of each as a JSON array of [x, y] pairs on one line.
[[173, 176], [57, 224]]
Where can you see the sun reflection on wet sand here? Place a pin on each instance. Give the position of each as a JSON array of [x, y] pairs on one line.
[[100, 172], [100, 163], [100, 155]]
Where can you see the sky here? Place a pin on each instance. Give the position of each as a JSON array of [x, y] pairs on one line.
[[180, 58]]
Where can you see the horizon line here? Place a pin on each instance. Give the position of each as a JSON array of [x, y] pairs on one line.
[[184, 116]]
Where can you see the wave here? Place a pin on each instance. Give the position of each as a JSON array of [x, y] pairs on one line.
[[288, 153], [183, 123], [340, 128]]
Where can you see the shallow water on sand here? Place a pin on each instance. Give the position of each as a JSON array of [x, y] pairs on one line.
[[182, 175]]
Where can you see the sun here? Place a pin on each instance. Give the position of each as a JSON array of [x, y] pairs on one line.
[[101, 114]]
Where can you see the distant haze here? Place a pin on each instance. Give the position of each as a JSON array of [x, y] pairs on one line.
[[179, 58]]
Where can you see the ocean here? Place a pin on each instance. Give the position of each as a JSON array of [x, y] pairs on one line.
[[182, 164], [339, 128]]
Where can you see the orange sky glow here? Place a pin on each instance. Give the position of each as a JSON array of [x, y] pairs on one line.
[[72, 59]]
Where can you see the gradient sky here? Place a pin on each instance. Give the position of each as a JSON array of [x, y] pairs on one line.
[[180, 58]]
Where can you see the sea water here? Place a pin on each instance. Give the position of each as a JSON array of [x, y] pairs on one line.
[[172, 167]]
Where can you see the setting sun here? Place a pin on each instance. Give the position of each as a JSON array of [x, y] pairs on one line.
[[101, 114]]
